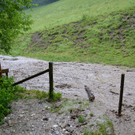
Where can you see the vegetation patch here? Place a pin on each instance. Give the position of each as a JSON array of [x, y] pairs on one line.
[[9, 93], [107, 39], [104, 128], [81, 119]]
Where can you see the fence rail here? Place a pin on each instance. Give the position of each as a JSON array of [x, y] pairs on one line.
[[31, 77], [50, 70]]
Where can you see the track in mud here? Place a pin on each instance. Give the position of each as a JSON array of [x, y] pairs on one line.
[[70, 78]]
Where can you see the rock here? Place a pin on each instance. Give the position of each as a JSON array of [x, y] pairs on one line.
[[64, 124], [46, 119], [113, 85], [9, 122], [33, 129], [12, 130], [27, 129], [21, 115], [70, 129], [55, 126], [32, 115], [57, 133], [40, 102], [67, 133]]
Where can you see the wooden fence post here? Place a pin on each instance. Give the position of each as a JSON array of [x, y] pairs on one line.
[[51, 80], [0, 71], [121, 94]]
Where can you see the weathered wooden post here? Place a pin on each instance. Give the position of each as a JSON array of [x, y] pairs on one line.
[[51, 80], [121, 94], [0, 71]]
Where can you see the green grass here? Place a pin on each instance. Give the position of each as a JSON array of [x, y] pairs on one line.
[[66, 11], [89, 31], [81, 119], [105, 128], [91, 114]]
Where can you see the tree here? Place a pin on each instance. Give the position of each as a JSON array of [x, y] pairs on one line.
[[13, 21]]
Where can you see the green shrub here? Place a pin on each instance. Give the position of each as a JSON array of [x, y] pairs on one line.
[[7, 94]]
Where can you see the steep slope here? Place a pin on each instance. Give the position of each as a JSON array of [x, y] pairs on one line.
[[107, 39], [66, 11]]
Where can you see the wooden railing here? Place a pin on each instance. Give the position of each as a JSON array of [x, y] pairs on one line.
[[50, 70]]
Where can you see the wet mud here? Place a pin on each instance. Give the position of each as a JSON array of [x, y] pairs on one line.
[[70, 78]]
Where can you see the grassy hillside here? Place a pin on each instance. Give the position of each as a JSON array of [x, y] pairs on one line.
[[101, 32], [66, 11]]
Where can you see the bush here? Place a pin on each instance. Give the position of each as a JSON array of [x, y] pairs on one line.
[[7, 94]]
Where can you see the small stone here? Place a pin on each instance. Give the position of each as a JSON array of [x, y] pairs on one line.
[[55, 126], [67, 133], [57, 133], [33, 129], [71, 129], [9, 122], [40, 102], [113, 85], [49, 118], [21, 115], [46, 119], [32, 115], [13, 131]]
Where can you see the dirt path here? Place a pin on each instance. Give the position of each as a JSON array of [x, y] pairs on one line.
[[70, 78]]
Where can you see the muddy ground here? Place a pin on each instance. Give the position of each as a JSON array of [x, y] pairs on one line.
[[70, 78]]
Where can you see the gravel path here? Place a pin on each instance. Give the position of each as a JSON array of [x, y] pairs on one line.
[[70, 78]]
